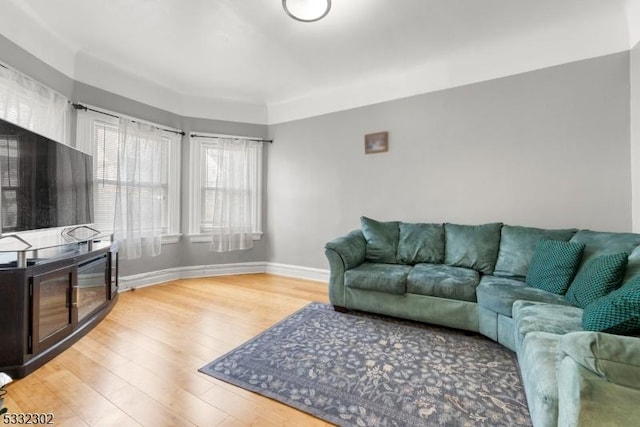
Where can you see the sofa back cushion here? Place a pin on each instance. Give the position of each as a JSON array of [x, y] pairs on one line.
[[472, 246], [421, 243], [517, 246], [382, 240], [599, 243]]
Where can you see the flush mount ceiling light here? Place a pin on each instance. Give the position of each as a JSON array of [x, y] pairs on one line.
[[307, 10]]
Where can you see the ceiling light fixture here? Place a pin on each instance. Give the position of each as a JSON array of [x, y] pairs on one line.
[[307, 10]]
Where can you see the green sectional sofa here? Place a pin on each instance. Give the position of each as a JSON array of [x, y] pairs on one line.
[[566, 301]]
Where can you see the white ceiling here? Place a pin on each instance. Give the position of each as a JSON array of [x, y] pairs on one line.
[[245, 60]]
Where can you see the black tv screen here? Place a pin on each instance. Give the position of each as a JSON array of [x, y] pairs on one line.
[[43, 183]]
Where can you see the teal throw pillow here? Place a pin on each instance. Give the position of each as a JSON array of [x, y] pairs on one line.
[[421, 243], [554, 265], [382, 240], [615, 313], [597, 278]]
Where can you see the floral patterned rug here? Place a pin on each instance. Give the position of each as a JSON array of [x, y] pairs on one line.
[[356, 369]]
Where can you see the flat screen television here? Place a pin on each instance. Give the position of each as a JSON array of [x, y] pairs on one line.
[[43, 183]]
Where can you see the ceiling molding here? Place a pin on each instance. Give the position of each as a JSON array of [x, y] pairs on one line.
[[292, 81], [95, 72]]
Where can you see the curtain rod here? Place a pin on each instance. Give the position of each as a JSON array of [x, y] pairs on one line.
[[78, 106], [270, 141]]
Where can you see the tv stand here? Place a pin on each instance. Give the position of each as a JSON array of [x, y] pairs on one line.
[[51, 300]]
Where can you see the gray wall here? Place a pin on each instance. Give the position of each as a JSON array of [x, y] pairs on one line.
[[184, 253], [548, 148], [13, 55]]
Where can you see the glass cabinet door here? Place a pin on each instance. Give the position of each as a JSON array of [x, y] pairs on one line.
[[53, 314], [93, 287]]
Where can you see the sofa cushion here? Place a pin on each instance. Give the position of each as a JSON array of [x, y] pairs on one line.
[[615, 313], [472, 246], [542, 317], [554, 265], [382, 240], [421, 243], [615, 358], [517, 246], [599, 243], [391, 279], [499, 293], [597, 278], [537, 360], [444, 281]]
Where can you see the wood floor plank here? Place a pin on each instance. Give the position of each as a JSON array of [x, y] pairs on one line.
[[139, 365], [94, 408]]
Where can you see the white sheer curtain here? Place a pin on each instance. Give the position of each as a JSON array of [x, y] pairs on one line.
[[139, 189], [32, 105], [232, 169]]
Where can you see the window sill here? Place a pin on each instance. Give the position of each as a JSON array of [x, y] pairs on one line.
[[206, 238], [170, 239]]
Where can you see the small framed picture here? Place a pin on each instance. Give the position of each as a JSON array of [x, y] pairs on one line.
[[376, 143]]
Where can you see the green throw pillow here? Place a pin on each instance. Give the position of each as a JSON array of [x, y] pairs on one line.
[[382, 240], [421, 243], [597, 278], [615, 313], [553, 265]]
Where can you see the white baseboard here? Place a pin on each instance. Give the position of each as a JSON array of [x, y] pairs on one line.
[[299, 272], [189, 272]]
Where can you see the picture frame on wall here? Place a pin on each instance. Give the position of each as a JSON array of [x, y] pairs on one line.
[[376, 143]]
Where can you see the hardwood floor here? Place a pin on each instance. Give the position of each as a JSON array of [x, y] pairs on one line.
[[139, 366]]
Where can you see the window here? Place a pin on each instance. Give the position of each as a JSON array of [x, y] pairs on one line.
[[98, 134], [208, 186]]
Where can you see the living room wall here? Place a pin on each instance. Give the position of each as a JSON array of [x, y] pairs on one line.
[[181, 254], [547, 148]]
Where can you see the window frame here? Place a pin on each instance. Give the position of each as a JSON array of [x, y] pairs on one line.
[[198, 234]]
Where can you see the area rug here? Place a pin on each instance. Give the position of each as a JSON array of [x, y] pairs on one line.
[[356, 369]]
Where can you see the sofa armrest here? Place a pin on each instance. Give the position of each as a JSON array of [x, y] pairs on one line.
[[351, 248], [343, 253], [615, 358], [585, 399]]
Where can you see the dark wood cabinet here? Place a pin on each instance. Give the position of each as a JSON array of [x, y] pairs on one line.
[[52, 302]]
